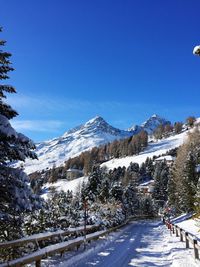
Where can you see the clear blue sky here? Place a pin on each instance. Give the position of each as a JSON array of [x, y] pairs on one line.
[[122, 59]]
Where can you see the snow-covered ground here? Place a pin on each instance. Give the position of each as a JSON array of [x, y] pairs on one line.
[[153, 149], [74, 186], [191, 225], [142, 243]]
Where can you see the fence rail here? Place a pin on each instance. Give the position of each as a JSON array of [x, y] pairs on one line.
[[61, 246], [37, 256], [46, 236], [60, 234], [191, 241]]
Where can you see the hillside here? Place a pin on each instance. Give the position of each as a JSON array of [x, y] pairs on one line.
[[155, 148]]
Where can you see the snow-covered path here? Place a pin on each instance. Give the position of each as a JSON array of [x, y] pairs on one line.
[[134, 246], [143, 243]]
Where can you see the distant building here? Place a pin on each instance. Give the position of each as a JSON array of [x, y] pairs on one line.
[[169, 159], [74, 173], [147, 188]]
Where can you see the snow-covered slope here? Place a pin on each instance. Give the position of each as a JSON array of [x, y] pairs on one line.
[[56, 151], [64, 185], [150, 125], [153, 149]]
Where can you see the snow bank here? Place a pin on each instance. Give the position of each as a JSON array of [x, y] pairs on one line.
[[189, 224]]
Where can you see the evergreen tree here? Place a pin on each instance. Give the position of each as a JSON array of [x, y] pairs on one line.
[[104, 190], [171, 190], [92, 187], [197, 199], [185, 177], [130, 200], [15, 194], [161, 176], [116, 192], [146, 206]]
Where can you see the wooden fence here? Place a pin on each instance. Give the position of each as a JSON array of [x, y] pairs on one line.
[[48, 235], [37, 238], [38, 255], [61, 246], [191, 241]]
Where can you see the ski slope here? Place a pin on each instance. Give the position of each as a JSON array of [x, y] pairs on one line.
[[154, 149]]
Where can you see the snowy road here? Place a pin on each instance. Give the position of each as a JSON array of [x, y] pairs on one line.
[[134, 245], [143, 243]]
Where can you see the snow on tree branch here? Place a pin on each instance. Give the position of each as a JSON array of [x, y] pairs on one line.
[[196, 50]]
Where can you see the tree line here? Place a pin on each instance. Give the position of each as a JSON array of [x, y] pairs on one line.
[[184, 181], [119, 148]]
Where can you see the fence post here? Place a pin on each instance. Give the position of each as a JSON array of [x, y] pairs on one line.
[[187, 240], [176, 231], [37, 244], [38, 263], [196, 252], [181, 235], [172, 228]]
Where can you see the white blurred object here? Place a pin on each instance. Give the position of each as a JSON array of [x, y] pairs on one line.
[[196, 50]]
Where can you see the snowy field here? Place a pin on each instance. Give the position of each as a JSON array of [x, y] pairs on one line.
[[143, 243], [74, 186], [153, 149]]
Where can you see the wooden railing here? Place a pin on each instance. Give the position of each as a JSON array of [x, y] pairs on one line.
[[38, 255], [48, 235], [61, 246], [37, 238], [188, 238]]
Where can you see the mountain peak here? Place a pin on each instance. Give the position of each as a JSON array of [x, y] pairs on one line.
[[150, 124], [153, 122], [96, 119], [100, 126], [155, 116]]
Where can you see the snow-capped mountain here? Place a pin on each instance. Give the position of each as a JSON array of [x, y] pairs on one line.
[[150, 125], [93, 133]]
